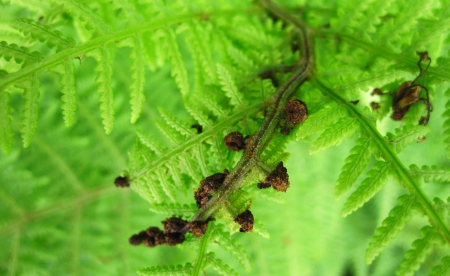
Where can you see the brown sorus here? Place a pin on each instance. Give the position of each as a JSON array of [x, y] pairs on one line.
[[154, 237], [296, 112], [234, 141], [263, 185], [174, 225], [278, 178], [198, 227], [121, 182], [208, 186], [245, 220], [137, 239], [198, 127], [173, 239]]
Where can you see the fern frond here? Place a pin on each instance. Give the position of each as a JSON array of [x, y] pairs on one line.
[[105, 91], [150, 142], [179, 270], [232, 246], [446, 124], [406, 136], [355, 163], [375, 179], [18, 53], [218, 265], [393, 224], [30, 110], [137, 97], [442, 269], [229, 87], [335, 134], [174, 209], [432, 173], [69, 99], [416, 256], [6, 131], [41, 32]]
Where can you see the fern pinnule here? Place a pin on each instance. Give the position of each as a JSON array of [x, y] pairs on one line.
[[6, 131], [178, 270], [150, 142], [406, 135], [196, 111], [442, 269], [229, 87], [179, 71], [355, 163], [166, 185], [374, 181], [432, 173], [335, 134], [30, 110], [219, 266], [137, 97], [69, 99], [103, 78], [391, 225], [224, 239], [446, 124], [18, 53], [175, 124], [174, 209], [420, 249], [41, 32]]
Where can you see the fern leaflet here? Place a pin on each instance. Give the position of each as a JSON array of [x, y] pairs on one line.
[[69, 99], [354, 165], [416, 256], [375, 179], [105, 91], [219, 266], [232, 246], [406, 135], [443, 269], [335, 134], [432, 173], [30, 110], [167, 270], [229, 87], [6, 131], [174, 209], [390, 227], [137, 97]]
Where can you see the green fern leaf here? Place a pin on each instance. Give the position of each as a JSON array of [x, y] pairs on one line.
[[30, 110], [42, 33], [211, 105], [416, 256], [178, 68], [355, 163], [259, 228], [218, 265], [175, 123], [69, 99], [320, 119], [18, 53], [150, 142], [446, 124], [6, 131], [174, 209], [197, 113], [335, 134], [431, 174], [393, 224], [232, 246], [165, 183], [167, 270], [229, 87], [406, 136], [103, 78], [375, 179], [443, 269], [137, 97]]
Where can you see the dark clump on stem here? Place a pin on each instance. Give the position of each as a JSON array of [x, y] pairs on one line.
[[208, 186], [263, 185], [198, 227], [234, 141], [245, 220], [174, 225], [296, 112], [121, 182], [172, 235], [278, 179]]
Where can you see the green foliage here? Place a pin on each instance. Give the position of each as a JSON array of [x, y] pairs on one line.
[[225, 66]]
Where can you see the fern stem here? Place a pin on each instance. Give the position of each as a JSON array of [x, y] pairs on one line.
[[105, 39], [274, 111], [202, 250], [391, 157]]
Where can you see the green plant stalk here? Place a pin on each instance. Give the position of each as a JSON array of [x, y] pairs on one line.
[[95, 43], [391, 157], [202, 250]]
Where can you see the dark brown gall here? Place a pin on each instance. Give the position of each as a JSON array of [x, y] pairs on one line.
[[174, 225], [296, 112], [245, 220], [278, 179], [263, 185], [121, 182], [234, 141]]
